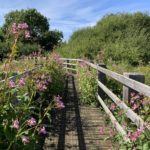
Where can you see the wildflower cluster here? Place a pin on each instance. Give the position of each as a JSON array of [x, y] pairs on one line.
[[42, 82], [16, 28], [58, 102]]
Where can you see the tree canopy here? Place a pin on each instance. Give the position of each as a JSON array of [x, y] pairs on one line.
[[41, 35], [119, 37]]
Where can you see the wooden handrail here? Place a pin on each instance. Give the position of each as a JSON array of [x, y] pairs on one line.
[[22, 74], [137, 86]]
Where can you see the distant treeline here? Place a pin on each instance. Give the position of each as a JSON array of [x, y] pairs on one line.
[[121, 37]]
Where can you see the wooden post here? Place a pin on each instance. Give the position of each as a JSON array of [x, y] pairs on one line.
[[67, 66], [102, 79], [127, 91]]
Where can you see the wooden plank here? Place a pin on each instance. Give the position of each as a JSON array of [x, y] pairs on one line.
[[139, 87], [71, 59], [70, 64], [70, 68], [128, 111], [118, 127]]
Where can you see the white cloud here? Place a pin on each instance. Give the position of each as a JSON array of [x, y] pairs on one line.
[[69, 15]]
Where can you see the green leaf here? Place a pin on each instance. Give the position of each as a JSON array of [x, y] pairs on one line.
[[146, 146]]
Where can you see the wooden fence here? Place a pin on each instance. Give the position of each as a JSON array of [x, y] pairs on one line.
[[70, 64]]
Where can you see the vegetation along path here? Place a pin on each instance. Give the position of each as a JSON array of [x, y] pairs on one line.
[[77, 126]]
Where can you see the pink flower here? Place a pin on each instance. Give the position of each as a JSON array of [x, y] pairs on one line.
[[22, 26], [41, 86], [15, 124], [59, 104], [21, 82], [27, 34], [135, 106], [25, 140], [12, 84], [14, 28], [101, 130], [112, 107], [42, 130], [134, 148], [31, 122]]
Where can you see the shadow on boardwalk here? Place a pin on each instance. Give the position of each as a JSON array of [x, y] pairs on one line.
[[75, 127]]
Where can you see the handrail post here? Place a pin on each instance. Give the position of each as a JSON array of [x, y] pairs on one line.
[[67, 65], [102, 79], [126, 90]]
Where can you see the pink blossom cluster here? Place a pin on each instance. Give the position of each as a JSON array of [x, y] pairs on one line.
[[58, 102], [41, 130], [20, 27], [31, 122], [15, 124], [12, 83], [56, 58], [43, 82], [113, 106], [134, 135], [25, 139], [137, 101]]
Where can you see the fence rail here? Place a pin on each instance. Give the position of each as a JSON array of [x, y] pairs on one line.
[[21, 74], [130, 83]]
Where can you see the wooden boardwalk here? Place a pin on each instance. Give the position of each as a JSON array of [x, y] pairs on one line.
[[76, 127]]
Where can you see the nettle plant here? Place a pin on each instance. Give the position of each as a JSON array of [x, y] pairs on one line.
[[24, 102], [139, 137]]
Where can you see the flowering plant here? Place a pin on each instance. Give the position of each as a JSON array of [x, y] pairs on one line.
[[27, 100]]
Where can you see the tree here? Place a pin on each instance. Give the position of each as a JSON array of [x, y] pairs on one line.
[[51, 39], [38, 24], [38, 27]]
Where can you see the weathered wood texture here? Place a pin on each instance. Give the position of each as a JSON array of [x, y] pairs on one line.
[[129, 112], [113, 120], [127, 91], [139, 87], [76, 127]]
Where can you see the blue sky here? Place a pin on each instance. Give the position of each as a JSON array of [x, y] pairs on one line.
[[70, 15]]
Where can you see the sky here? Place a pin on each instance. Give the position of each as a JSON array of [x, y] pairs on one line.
[[71, 15]]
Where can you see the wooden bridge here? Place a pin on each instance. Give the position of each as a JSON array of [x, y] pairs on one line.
[[77, 126]]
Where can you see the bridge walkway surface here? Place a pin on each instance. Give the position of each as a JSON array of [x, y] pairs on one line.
[[76, 127]]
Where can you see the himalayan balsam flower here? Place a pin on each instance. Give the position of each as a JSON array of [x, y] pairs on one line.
[[42, 130], [21, 82], [27, 34], [14, 28], [23, 26], [59, 104], [12, 84], [15, 124], [135, 106], [31, 122], [25, 140], [112, 107]]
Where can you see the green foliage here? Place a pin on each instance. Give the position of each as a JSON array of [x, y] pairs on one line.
[[87, 84], [38, 29], [30, 97], [38, 24], [51, 39], [120, 37], [26, 49]]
